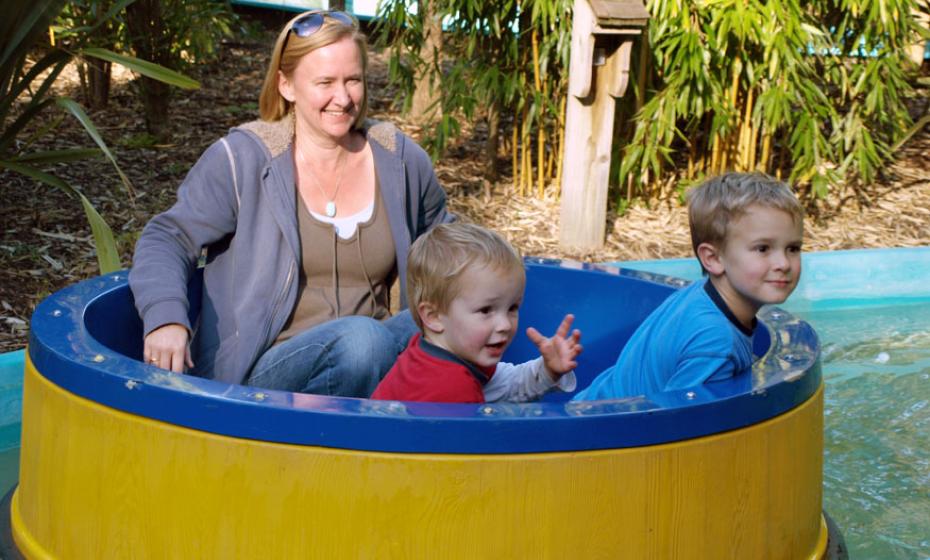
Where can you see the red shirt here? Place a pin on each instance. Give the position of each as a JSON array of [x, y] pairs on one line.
[[425, 372]]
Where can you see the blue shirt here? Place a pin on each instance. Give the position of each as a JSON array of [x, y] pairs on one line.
[[690, 339]]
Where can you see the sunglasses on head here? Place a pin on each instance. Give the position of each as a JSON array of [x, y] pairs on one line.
[[307, 25]]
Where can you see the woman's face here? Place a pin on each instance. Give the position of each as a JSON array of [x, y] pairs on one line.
[[327, 89]]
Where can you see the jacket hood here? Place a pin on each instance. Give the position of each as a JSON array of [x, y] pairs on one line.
[[277, 136]]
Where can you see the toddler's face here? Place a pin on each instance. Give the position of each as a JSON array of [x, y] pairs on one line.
[[482, 320], [761, 260]]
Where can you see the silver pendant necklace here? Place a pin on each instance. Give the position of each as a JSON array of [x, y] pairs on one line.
[[330, 208]]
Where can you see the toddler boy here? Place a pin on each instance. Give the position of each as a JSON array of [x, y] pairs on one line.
[[464, 287], [746, 230]]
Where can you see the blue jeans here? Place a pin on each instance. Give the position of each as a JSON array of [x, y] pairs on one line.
[[345, 357]]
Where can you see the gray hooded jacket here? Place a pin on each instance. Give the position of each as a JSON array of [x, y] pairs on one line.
[[239, 202]]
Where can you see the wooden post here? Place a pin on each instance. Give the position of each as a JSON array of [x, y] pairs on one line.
[[602, 40]]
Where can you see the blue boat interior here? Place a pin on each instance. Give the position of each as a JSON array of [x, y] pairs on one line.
[[87, 339]]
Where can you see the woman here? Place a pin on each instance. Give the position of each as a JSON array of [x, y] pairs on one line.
[[305, 218]]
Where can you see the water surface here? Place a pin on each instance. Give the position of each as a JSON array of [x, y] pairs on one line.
[[876, 363]]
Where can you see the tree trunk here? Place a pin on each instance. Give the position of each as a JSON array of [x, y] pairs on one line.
[[97, 91], [426, 107], [150, 41], [95, 74]]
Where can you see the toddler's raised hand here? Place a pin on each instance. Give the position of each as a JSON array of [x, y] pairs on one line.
[[560, 350]]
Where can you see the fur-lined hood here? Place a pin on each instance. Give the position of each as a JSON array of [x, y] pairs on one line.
[[278, 135]]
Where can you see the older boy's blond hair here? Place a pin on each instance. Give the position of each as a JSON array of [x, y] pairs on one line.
[[720, 200], [271, 104], [439, 258]]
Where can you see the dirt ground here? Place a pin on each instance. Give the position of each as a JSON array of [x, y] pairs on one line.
[[45, 242]]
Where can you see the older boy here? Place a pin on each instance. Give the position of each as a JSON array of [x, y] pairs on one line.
[[746, 230], [465, 286]]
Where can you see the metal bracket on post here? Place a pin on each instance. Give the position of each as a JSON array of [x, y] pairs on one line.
[[594, 83]]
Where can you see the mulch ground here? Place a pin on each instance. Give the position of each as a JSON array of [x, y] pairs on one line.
[[45, 242]]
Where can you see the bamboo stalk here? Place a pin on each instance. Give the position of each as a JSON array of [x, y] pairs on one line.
[[561, 149], [514, 154], [727, 151], [746, 133], [540, 161], [692, 154], [734, 84], [766, 151], [526, 167], [540, 133], [715, 155], [722, 146], [550, 164], [534, 39], [526, 187]]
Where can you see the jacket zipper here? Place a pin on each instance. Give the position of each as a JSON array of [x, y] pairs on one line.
[[277, 302]]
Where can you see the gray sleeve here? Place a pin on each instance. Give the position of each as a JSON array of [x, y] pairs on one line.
[[432, 205], [524, 382], [167, 251]]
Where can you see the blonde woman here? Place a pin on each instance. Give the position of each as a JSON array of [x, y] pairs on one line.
[[305, 217]]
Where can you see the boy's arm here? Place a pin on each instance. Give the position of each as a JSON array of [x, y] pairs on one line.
[[531, 380], [525, 382], [559, 351], [697, 370], [712, 354]]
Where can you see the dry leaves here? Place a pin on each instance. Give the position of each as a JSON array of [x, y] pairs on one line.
[[45, 242]]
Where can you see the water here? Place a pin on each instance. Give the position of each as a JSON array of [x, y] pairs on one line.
[[11, 391], [871, 309], [876, 362], [9, 469]]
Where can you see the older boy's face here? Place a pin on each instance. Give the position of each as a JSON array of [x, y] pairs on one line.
[[482, 320], [761, 260]]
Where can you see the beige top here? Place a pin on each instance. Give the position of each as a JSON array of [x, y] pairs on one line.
[[341, 277]]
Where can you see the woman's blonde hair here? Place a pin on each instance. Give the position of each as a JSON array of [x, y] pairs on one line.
[[271, 104]]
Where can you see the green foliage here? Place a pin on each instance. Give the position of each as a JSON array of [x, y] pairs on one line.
[[810, 90], [145, 68], [27, 72], [814, 90], [489, 61], [173, 34], [195, 28]]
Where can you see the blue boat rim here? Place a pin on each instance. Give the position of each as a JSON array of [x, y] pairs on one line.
[[63, 351]]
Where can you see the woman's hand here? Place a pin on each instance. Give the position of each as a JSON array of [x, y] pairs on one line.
[[166, 347], [559, 351]]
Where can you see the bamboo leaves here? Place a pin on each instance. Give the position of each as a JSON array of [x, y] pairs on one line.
[[811, 90], [143, 67], [808, 90], [505, 61], [25, 93]]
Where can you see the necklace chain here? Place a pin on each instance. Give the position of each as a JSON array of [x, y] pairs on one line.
[[330, 208]]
